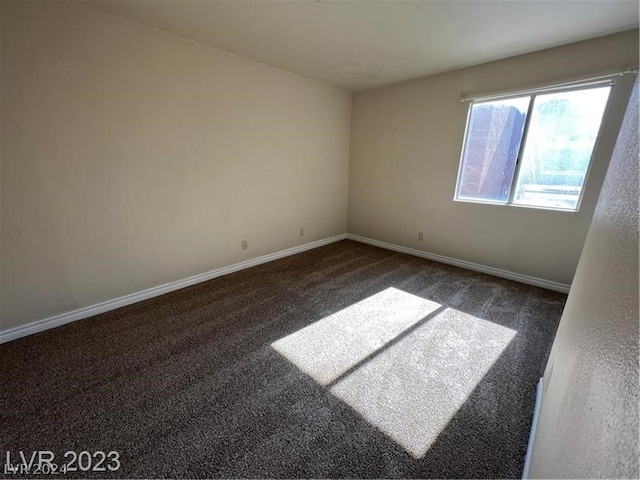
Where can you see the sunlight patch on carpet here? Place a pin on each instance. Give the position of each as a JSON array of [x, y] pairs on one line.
[[328, 348], [406, 376]]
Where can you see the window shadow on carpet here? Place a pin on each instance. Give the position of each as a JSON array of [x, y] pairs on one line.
[[405, 364]]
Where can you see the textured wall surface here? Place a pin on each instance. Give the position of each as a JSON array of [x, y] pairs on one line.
[[588, 425], [132, 158], [406, 141]]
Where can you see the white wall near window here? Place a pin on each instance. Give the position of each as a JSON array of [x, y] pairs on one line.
[[588, 424], [406, 141]]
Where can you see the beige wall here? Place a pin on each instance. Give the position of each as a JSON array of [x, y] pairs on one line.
[[405, 149], [132, 158], [588, 424]]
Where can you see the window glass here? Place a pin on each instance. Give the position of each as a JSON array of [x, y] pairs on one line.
[[560, 141], [533, 150], [491, 148]]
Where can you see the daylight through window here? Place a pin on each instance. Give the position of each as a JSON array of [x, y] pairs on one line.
[[532, 150]]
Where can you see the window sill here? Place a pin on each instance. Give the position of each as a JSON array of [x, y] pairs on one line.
[[517, 205]]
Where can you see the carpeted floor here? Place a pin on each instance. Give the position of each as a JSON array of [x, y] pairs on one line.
[[344, 361]]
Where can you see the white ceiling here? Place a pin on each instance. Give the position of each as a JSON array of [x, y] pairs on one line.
[[360, 44]]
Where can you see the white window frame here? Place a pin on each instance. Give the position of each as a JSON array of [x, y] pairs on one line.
[[533, 92]]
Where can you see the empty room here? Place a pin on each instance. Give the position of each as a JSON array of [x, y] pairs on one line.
[[319, 239]]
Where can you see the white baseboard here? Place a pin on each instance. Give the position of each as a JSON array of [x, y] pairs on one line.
[[497, 272], [532, 434], [79, 314]]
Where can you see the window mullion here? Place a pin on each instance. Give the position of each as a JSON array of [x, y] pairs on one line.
[[523, 142]]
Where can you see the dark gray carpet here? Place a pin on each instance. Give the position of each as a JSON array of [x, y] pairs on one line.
[[413, 369]]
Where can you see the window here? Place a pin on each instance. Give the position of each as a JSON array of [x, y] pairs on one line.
[[531, 150]]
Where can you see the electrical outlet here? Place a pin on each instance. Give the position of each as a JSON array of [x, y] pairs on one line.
[[421, 236], [244, 244], [302, 232]]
